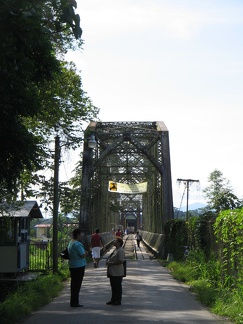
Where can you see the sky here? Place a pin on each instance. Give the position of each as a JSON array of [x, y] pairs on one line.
[[176, 61]]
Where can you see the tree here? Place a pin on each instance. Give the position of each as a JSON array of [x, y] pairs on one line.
[[219, 194], [31, 35], [67, 107]]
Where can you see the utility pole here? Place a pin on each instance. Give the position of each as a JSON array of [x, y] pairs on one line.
[[187, 182], [55, 205]]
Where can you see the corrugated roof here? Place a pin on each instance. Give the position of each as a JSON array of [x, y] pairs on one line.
[[24, 209]]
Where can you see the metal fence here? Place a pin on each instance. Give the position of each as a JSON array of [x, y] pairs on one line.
[[40, 255]]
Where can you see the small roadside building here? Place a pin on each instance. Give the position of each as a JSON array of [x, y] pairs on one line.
[[42, 231], [15, 235]]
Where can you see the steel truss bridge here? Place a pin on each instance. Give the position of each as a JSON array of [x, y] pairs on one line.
[[126, 153]]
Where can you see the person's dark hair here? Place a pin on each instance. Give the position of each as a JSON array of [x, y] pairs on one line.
[[76, 233], [119, 240], [97, 230]]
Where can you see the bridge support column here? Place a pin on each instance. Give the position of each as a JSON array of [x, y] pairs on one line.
[[85, 203]]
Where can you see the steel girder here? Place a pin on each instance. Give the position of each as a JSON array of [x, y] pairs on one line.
[[126, 152]]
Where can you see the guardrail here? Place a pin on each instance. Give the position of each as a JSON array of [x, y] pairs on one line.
[[154, 241], [107, 239]]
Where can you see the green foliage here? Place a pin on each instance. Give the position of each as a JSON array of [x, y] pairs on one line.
[[65, 112], [70, 194], [206, 294], [176, 237], [65, 108], [179, 214], [63, 269], [229, 303], [219, 194], [31, 34], [198, 274], [191, 225], [197, 267], [214, 266], [26, 59], [202, 239], [30, 296], [204, 267], [69, 17], [182, 273], [228, 230]]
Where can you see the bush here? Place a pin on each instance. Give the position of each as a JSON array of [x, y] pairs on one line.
[[230, 303], [206, 294], [181, 271], [203, 267]]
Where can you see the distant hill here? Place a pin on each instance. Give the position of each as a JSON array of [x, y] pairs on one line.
[[193, 206]]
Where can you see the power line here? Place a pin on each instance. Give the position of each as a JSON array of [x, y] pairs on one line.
[[181, 202], [187, 183]]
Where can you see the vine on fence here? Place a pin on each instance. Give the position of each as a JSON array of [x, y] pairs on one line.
[[176, 237], [221, 237], [228, 230]]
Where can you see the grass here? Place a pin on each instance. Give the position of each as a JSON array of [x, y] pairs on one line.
[[32, 295], [204, 280]]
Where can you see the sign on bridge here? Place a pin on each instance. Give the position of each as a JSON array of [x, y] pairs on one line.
[[127, 188]]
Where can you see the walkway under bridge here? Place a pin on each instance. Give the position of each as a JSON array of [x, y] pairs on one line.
[[126, 177]]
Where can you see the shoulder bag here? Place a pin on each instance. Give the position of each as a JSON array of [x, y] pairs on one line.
[[64, 254]]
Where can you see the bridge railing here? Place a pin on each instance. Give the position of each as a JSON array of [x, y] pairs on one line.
[[107, 239], [154, 241]]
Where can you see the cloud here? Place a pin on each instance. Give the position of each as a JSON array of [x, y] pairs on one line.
[[170, 19], [179, 61]]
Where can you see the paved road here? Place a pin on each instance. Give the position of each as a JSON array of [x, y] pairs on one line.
[[150, 295]]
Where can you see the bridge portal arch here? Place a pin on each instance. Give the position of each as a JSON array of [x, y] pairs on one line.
[[128, 154]]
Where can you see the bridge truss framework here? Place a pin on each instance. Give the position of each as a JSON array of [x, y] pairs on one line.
[[130, 153]]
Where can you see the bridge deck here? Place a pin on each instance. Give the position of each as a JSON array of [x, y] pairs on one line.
[[150, 295]]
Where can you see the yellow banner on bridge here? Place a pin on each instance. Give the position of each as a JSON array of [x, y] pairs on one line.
[[125, 188]]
